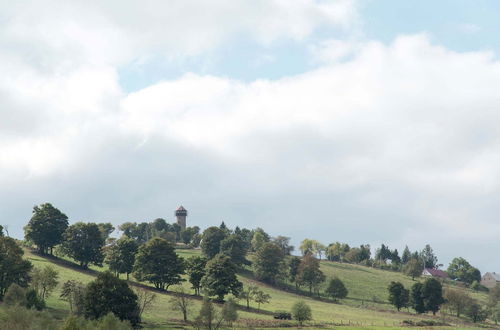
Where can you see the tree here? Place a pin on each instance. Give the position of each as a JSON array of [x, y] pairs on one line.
[[284, 243], [33, 300], [309, 272], [145, 299], [15, 296], [432, 292], [210, 243], [229, 312], [269, 263], [120, 256], [180, 302], [337, 251], [413, 268], [476, 312], [336, 289], [44, 280], [261, 298], [74, 293], [84, 242], [461, 270], [13, 268], [457, 301], [307, 246], [494, 313], [234, 247], [248, 293], [106, 294], [157, 263], [106, 229], [293, 270], [417, 298], [195, 267], [494, 295], [301, 312], [208, 318], [259, 238], [406, 256], [220, 277], [428, 257], [398, 295], [46, 227]]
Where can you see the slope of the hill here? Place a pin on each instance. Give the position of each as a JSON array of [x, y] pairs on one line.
[[366, 305]]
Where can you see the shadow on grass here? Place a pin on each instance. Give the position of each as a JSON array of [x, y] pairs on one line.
[[77, 268]]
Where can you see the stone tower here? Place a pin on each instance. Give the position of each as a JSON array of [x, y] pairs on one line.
[[181, 214]]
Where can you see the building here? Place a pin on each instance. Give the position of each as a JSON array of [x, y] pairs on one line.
[[434, 273], [490, 280], [181, 214]]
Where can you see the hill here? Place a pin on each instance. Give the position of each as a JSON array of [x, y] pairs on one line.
[[365, 307]]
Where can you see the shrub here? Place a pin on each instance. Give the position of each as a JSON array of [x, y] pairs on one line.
[[301, 312], [282, 315]]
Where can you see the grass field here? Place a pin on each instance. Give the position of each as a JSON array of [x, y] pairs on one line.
[[365, 307]]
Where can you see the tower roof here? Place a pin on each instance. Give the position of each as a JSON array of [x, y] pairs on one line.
[[181, 208]]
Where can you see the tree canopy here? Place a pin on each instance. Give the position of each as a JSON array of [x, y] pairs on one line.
[[46, 227], [157, 263]]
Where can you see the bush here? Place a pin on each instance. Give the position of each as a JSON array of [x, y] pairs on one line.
[[282, 315], [15, 296], [301, 312]]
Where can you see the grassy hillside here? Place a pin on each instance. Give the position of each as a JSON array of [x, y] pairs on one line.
[[365, 306]]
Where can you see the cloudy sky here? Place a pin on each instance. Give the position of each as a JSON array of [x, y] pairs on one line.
[[345, 120]]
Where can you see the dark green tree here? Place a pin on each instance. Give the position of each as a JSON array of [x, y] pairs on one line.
[[120, 256], [398, 295], [428, 257], [461, 270], [310, 273], [157, 263], [293, 270], [106, 229], [108, 294], [269, 263], [432, 291], [417, 298], [84, 242], [336, 289], [220, 277], [46, 227], [13, 268], [234, 247], [210, 244], [406, 256], [195, 267]]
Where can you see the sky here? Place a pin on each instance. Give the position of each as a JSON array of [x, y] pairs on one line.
[[360, 121]]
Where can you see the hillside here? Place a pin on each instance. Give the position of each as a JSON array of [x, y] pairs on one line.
[[365, 306]]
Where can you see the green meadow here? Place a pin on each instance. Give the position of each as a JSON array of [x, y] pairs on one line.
[[366, 306]]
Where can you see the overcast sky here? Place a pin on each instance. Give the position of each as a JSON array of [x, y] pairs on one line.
[[353, 121]]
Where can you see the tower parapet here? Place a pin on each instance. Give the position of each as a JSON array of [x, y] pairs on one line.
[[181, 214]]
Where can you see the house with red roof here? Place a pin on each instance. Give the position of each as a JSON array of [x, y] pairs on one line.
[[434, 273]]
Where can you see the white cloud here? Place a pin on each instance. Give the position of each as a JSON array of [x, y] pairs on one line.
[[394, 141]]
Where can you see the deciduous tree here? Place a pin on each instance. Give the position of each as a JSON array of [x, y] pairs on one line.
[[84, 242], [220, 278], [106, 294], [157, 263], [13, 268], [46, 227], [269, 263], [398, 295], [336, 289]]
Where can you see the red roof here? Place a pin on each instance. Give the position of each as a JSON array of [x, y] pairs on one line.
[[181, 208], [436, 272]]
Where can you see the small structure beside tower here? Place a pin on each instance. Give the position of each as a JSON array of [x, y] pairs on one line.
[[181, 214]]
